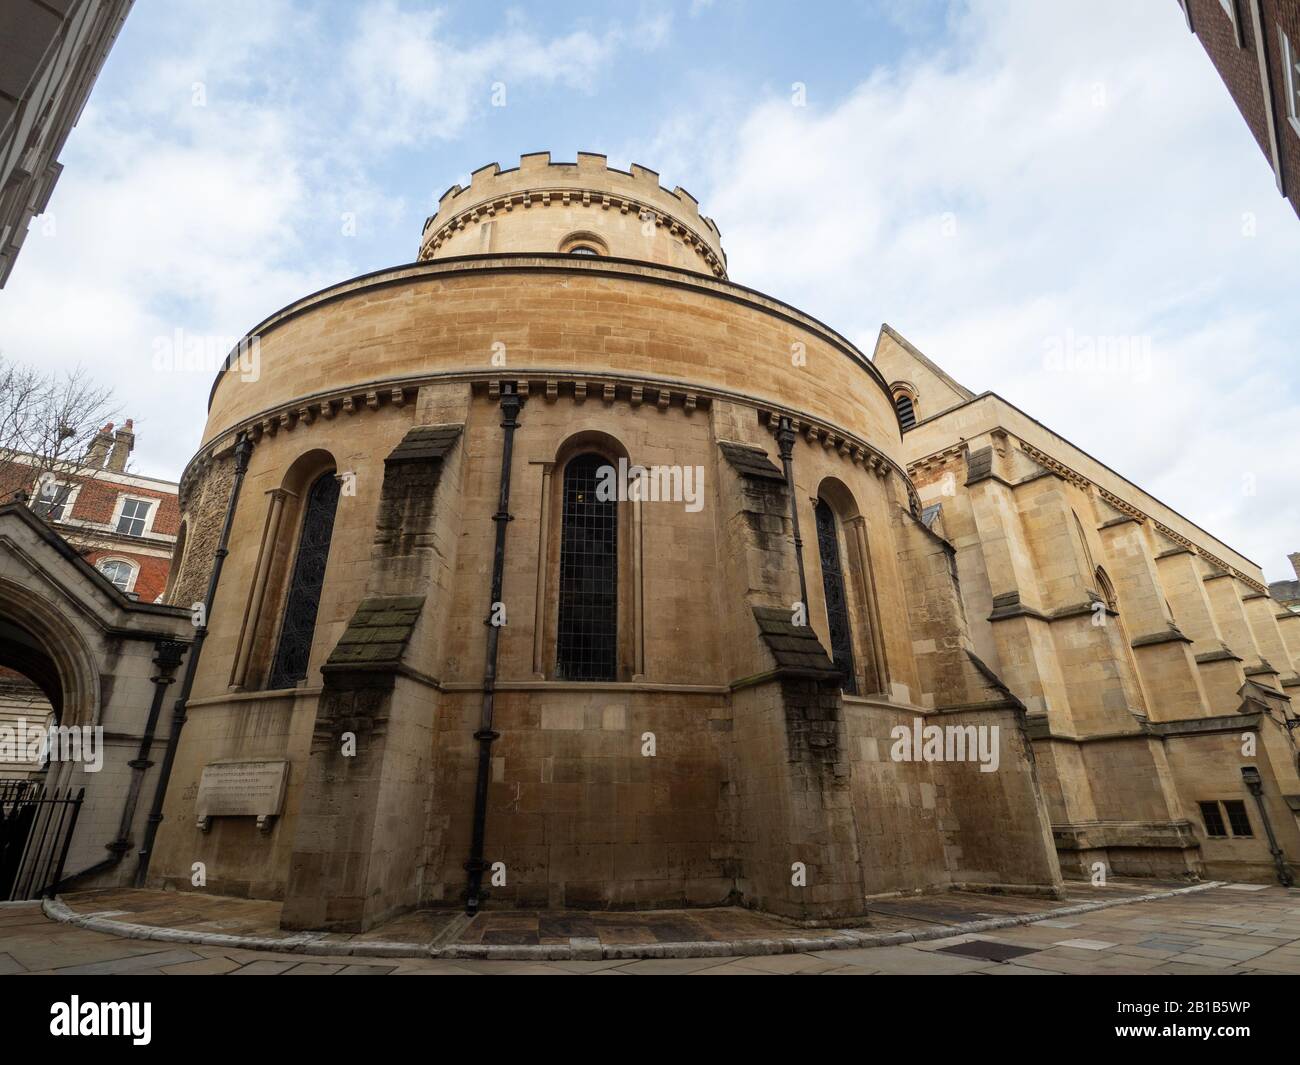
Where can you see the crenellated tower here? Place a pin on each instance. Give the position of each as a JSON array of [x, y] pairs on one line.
[[582, 208]]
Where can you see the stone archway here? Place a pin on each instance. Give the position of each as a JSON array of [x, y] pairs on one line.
[[41, 643]]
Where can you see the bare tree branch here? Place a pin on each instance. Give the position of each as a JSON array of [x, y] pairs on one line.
[[48, 421]]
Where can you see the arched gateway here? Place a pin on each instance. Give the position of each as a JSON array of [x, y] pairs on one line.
[[102, 663]]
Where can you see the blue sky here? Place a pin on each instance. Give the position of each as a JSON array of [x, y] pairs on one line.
[[1000, 180]]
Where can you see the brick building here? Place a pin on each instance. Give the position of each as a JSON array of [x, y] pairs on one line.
[[1255, 47], [122, 523]]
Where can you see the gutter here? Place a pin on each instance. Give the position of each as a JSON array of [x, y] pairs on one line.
[[511, 402]]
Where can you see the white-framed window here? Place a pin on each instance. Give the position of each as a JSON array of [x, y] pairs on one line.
[[1230, 9], [119, 571], [133, 516], [1291, 80], [52, 499]]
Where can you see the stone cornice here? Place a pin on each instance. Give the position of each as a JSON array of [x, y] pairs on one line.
[[1040, 728], [548, 385], [1063, 471], [845, 444], [992, 400]]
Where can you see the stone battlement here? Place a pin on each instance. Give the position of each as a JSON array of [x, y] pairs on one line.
[[589, 183]]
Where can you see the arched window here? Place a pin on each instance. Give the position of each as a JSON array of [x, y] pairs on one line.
[[583, 244], [294, 648], [837, 604], [587, 628], [1107, 590], [906, 410], [118, 571]]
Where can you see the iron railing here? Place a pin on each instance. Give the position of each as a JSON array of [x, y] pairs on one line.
[[36, 826]]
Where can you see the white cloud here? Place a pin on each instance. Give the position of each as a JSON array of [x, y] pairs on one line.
[[1097, 175], [412, 80], [213, 186], [1095, 168]]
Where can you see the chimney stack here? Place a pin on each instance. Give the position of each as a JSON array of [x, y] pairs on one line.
[[123, 442], [98, 449]]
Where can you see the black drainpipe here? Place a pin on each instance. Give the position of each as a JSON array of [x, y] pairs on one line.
[[167, 656], [1255, 785], [243, 450], [785, 437], [475, 866]]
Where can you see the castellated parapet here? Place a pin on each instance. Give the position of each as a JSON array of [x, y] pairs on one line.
[[541, 206]]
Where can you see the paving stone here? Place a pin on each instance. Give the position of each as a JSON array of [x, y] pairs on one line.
[[662, 966], [134, 963], [1221, 950], [202, 967], [1217, 931], [264, 967]]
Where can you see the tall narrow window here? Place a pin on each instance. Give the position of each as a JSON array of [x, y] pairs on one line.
[[906, 410], [837, 606], [1213, 819], [1237, 817], [587, 632], [300, 608], [1291, 79]]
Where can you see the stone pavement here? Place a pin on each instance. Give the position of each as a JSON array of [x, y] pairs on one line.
[[1229, 929]]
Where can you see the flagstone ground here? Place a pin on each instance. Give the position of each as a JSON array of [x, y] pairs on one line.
[[1233, 929]]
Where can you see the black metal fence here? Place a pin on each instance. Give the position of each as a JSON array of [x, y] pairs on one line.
[[36, 826]]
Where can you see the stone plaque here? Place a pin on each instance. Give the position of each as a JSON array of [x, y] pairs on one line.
[[242, 789]]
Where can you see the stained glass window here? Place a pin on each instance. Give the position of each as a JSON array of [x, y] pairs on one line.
[[300, 609], [587, 635], [837, 606]]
